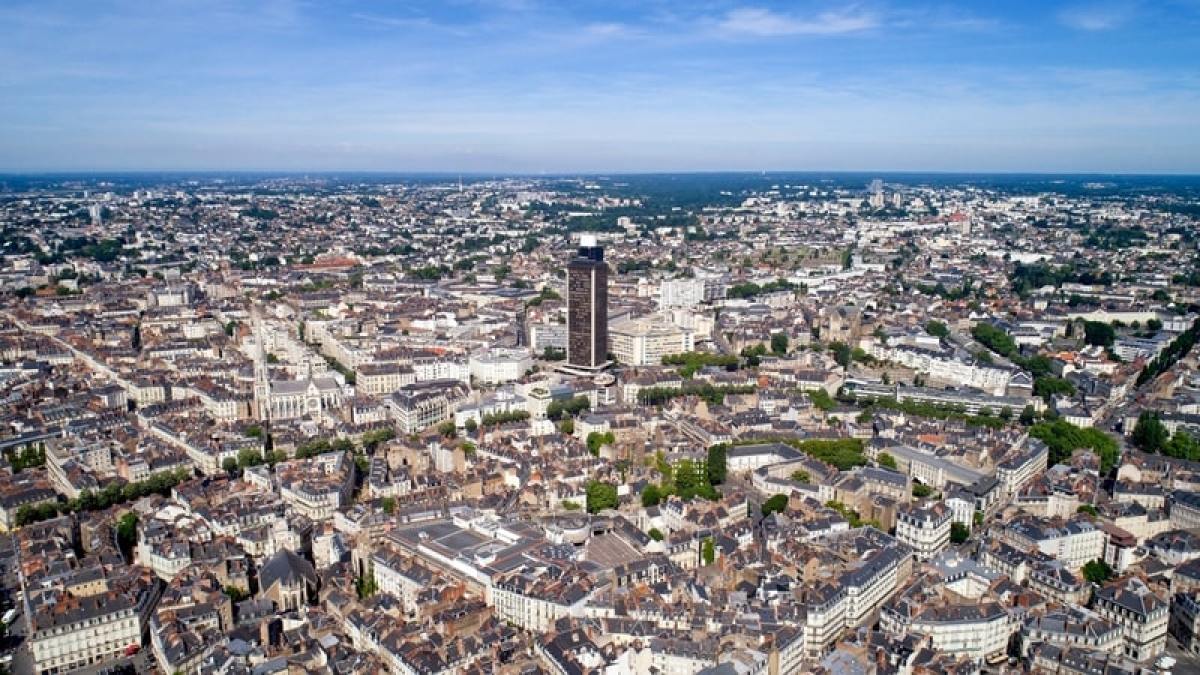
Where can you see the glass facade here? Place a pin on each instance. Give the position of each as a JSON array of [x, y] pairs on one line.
[[587, 308]]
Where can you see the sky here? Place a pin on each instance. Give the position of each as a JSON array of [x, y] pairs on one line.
[[531, 86]]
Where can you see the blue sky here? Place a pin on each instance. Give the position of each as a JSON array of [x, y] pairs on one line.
[[612, 85]]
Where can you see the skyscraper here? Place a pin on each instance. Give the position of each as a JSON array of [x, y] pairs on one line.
[[587, 306]]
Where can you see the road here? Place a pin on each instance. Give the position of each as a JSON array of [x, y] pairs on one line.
[[719, 340], [22, 658], [1185, 662]]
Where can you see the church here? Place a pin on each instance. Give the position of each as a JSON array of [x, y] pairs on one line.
[[289, 399]]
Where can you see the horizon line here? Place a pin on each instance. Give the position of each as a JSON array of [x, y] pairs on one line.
[[594, 172]]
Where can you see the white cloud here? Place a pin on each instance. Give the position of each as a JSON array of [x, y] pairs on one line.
[[607, 30], [758, 22], [1095, 17]]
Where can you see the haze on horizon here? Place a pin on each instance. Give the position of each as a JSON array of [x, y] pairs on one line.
[[531, 86]]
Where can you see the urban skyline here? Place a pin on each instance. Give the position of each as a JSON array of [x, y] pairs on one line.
[[599, 337], [705, 424]]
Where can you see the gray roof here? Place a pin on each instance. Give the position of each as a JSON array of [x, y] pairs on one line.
[[286, 566]]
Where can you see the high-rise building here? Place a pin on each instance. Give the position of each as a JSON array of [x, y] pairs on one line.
[[587, 306]]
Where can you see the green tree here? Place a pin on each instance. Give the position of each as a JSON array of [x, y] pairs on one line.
[[366, 586], [848, 513], [230, 465], [959, 533], [248, 457], [651, 495], [1028, 416], [717, 465], [601, 496], [558, 409], [1064, 438], [821, 399], [1099, 333], [236, 594], [1183, 446], [446, 429], [505, 417], [389, 505], [655, 534], [779, 343], [471, 425], [1097, 571], [313, 448], [886, 460], [1088, 509], [843, 453], [937, 329], [801, 476], [596, 440], [127, 531], [775, 504], [1179, 348], [373, 439], [1048, 386], [841, 353], [691, 480], [921, 490], [995, 339], [1149, 434], [708, 551]]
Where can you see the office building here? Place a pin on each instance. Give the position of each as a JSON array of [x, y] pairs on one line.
[[587, 307], [645, 341]]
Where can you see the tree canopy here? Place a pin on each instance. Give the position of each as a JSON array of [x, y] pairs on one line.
[[1064, 438], [775, 504], [601, 496]]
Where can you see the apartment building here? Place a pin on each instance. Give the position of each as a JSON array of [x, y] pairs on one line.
[[381, 379], [1076, 542], [1017, 471], [535, 596], [80, 631], [317, 487], [1184, 624], [400, 577], [420, 406], [1142, 615], [1072, 628], [924, 529], [973, 631]]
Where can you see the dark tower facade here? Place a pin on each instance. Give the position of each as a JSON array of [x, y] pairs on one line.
[[587, 306]]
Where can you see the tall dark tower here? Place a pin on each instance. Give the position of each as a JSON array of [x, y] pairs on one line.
[[587, 307]]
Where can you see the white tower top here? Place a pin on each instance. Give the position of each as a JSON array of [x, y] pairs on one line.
[[587, 240]]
